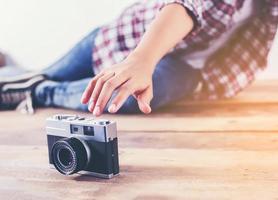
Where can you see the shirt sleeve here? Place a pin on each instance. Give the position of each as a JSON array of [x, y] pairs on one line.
[[194, 8], [236, 65]]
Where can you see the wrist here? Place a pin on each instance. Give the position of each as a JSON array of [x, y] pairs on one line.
[[144, 56], [146, 61]]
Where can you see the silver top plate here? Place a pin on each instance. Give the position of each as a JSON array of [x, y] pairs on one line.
[[60, 125]]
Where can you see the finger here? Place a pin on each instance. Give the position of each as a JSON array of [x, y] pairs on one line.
[[107, 91], [89, 89], [124, 92], [144, 100], [97, 89]]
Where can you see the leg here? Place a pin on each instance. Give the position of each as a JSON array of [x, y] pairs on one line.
[[76, 64], [171, 81], [61, 94]]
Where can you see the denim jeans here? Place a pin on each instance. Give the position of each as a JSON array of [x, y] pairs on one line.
[[69, 76]]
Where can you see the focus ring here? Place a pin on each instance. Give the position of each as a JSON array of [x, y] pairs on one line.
[[75, 159]]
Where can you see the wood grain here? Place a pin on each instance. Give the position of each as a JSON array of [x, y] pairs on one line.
[[188, 150], [260, 121], [146, 173]]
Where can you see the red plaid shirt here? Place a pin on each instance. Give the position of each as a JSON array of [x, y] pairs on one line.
[[233, 67]]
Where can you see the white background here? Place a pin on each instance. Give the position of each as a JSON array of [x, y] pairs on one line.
[[36, 32]]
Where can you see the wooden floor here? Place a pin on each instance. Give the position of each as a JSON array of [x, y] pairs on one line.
[[221, 150]]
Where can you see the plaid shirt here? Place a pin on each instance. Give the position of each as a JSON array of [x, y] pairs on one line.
[[232, 68]]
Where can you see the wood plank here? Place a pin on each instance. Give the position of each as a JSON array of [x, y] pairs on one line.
[[225, 140], [145, 174], [189, 150], [212, 141], [156, 122]]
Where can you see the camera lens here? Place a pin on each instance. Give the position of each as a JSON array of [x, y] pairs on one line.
[[69, 156], [65, 157]]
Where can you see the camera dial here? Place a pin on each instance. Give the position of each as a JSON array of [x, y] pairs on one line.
[[69, 156]]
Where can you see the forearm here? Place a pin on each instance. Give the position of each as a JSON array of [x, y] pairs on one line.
[[171, 25]]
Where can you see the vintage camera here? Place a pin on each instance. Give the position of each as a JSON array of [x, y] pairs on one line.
[[83, 145]]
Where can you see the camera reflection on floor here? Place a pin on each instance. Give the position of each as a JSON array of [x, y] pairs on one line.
[[188, 150]]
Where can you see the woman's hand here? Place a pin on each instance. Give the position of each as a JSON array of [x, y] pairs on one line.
[[133, 76]]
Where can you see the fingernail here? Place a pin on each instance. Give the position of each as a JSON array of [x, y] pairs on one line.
[[82, 99], [149, 109], [92, 103], [112, 108], [91, 106], [96, 111]]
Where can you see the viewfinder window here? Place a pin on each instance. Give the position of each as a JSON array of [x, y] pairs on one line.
[[88, 130]]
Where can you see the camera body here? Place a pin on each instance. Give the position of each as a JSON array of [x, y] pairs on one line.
[[83, 145]]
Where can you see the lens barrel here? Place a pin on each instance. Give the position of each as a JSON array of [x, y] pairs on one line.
[[69, 156]]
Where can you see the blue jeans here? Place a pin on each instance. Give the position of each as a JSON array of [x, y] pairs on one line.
[[69, 76]]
